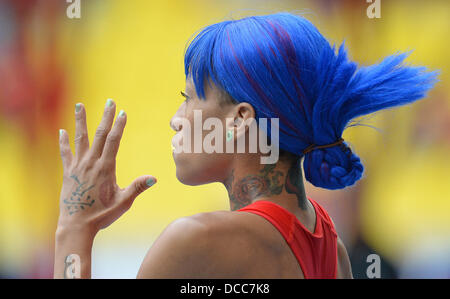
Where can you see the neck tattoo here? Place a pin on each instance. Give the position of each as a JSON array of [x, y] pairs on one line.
[[266, 182], [250, 187]]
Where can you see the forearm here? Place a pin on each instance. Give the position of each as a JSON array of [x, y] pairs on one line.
[[78, 243]]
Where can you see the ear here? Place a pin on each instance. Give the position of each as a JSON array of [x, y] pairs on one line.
[[241, 118]]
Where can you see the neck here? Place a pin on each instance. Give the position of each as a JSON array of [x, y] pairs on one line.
[[251, 181]]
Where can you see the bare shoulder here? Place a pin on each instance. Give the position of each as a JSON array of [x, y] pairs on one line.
[[344, 266], [199, 246], [343, 260]]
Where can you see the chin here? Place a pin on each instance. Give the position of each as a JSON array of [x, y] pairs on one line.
[[186, 171], [189, 178]]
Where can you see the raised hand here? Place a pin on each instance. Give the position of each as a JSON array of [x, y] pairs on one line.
[[90, 197]]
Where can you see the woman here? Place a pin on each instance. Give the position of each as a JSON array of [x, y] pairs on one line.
[[276, 67]]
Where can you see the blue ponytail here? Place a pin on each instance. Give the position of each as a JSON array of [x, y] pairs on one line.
[[284, 68]]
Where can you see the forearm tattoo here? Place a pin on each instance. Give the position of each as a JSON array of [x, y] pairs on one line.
[[72, 266], [78, 201]]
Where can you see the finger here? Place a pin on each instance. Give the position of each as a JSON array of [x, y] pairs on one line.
[[103, 129], [113, 139], [66, 152], [138, 186], [81, 133]]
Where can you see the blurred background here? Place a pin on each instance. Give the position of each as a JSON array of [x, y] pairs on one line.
[[132, 52]]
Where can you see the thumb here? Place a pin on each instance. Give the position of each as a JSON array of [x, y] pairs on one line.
[[139, 185]]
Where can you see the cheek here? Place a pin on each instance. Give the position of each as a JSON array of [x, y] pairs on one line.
[[196, 130], [200, 168]]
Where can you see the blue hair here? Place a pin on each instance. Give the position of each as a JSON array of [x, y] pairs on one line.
[[284, 68]]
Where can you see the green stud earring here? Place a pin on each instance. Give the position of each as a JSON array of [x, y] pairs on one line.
[[229, 135]]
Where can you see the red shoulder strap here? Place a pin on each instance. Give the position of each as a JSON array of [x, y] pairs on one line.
[[316, 252], [275, 214]]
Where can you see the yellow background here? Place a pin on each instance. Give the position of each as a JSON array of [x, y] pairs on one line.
[[132, 52]]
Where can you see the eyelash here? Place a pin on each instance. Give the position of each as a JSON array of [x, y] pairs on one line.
[[184, 95]]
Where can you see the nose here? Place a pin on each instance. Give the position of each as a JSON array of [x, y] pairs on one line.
[[176, 123]]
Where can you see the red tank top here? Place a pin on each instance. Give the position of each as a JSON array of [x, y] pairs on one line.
[[315, 252]]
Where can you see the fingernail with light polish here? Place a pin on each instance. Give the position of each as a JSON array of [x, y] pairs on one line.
[[77, 107], [109, 102], [150, 182], [121, 113], [60, 132]]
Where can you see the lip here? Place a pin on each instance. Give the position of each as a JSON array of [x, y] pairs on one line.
[[176, 142]]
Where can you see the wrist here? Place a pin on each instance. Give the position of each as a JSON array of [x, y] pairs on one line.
[[73, 240], [75, 230]]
